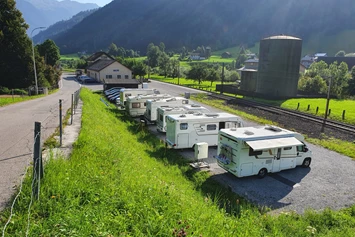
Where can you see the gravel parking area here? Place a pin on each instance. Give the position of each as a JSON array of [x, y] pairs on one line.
[[328, 183]]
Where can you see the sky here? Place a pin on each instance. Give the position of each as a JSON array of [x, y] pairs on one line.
[[101, 3]]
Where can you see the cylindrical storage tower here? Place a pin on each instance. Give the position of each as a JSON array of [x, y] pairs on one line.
[[279, 66]]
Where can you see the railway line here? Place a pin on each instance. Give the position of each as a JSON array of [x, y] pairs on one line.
[[277, 110]]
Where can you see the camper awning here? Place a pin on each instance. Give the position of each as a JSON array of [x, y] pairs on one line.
[[273, 143]]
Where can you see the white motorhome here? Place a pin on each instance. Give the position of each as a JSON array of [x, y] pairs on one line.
[[150, 115], [260, 150], [136, 105], [162, 112], [185, 130], [126, 92]]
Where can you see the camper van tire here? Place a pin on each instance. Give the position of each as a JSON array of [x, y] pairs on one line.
[[262, 173], [306, 162]]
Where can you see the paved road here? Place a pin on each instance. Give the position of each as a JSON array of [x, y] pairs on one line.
[[17, 133]]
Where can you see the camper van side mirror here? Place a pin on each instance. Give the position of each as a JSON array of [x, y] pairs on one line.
[[305, 149]]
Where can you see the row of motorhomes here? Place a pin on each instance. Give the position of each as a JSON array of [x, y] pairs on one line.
[[242, 151]]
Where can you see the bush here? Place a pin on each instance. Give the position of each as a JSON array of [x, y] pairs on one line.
[[20, 92], [4, 91]]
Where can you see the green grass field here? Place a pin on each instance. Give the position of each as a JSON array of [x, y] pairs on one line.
[[121, 181], [9, 100], [336, 106], [73, 56]]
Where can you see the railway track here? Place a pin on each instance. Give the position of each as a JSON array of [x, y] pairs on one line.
[[273, 109]]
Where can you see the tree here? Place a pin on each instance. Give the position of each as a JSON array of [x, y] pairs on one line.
[[50, 51], [139, 69], [16, 64], [162, 47], [164, 63], [314, 85], [351, 83], [153, 54], [113, 50], [341, 53], [175, 67], [212, 75], [197, 72]]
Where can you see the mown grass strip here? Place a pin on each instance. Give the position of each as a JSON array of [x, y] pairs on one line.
[[343, 147], [120, 181]]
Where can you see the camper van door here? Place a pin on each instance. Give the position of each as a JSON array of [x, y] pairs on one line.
[[277, 161], [183, 140]]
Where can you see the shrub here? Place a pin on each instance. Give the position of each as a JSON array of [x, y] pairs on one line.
[[4, 91]]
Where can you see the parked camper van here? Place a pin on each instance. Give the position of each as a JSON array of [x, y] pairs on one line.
[[126, 92], [259, 150], [136, 105], [150, 114], [185, 130], [162, 112]]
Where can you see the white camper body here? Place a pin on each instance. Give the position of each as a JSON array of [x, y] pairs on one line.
[[185, 130], [162, 112], [150, 114], [136, 105], [259, 150], [127, 92]]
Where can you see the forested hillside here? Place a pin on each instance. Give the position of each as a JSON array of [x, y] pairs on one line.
[[47, 12], [61, 26], [217, 23]]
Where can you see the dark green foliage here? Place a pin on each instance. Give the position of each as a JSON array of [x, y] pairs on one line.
[[219, 24], [49, 50], [198, 72], [15, 48], [351, 83]]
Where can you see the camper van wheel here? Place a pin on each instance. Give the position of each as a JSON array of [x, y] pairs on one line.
[[306, 162], [262, 173]]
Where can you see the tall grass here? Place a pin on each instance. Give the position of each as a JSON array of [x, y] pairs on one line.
[[9, 100], [120, 181]]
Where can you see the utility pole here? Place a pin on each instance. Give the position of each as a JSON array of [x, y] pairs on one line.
[[222, 78], [326, 106]]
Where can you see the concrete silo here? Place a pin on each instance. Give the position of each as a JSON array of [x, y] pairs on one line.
[[279, 65]]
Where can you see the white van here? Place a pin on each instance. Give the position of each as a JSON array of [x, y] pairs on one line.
[[162, 112], [136, 105], [185, 130], [126, 92], [260, 150], [150, 114]]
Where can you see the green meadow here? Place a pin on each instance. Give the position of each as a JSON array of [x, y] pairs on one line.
[[121, 181]]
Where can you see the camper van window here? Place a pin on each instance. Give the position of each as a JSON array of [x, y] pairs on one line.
[[300, 148], [128, 94], [184, 126], [185, 101], [254, 153], [145, 104], [161, 117], [136, 105], [211, 127], [287, 148]]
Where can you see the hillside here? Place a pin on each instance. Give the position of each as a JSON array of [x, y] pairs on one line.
[[219, 24], [47, 12], [61, 26]]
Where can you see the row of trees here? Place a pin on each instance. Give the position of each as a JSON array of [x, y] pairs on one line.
[[122, 52], [317, 78], [16, 61]]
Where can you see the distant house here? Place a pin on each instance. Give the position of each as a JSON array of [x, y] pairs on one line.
[[249, 65], [226, 55], [108, 69], [329, 60], [99, 56], [307, 60], [320, 55], [195, 56], [302, 68]]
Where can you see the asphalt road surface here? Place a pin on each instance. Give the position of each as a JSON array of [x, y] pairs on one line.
[[17, 133]]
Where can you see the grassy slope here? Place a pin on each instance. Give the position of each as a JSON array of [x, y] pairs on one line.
[[120, 182]]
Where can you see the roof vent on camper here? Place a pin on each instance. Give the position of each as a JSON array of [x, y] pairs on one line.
[[248, 133], [198, 114], [190, 112], [168, 109], [274, 129], [182, 115], [212, 115], [195, 105], [233, 129]]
